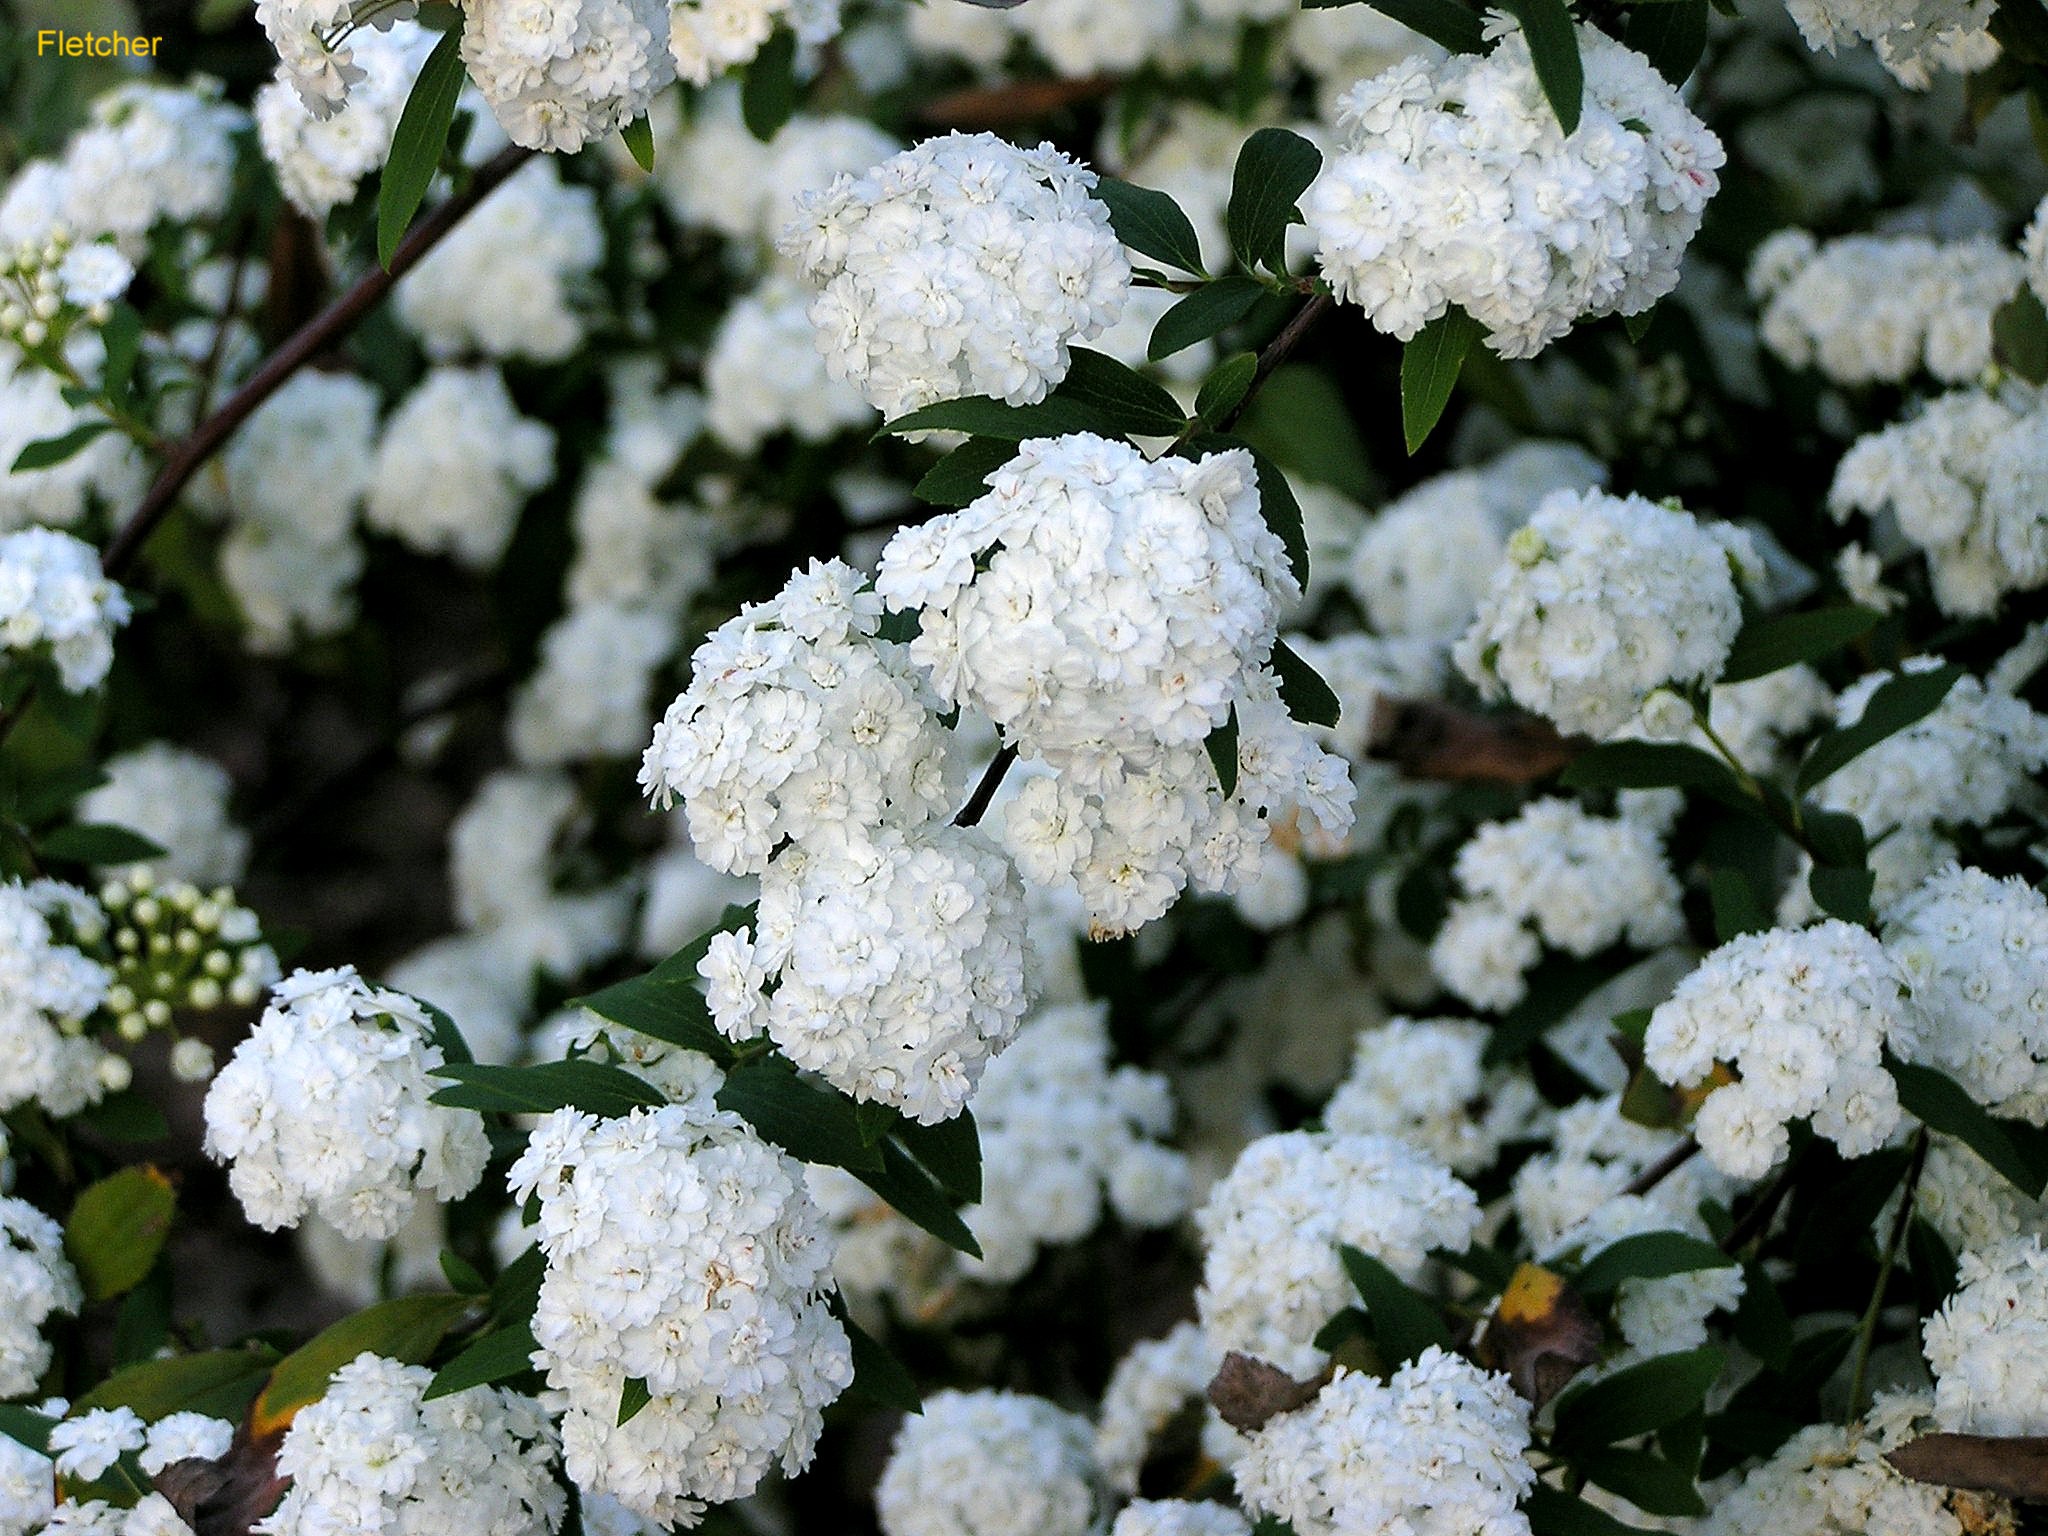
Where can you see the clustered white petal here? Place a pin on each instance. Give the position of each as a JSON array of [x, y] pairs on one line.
[[1803, 1018], [988, 1464], [765, 376], [106, 472], [1915, 39], [1426, 1082], [1457, 186], [47, 990], [1601, 602], [54, 603], [179, 801], [456, 464], [965, 266], [559, 73], [321, 156], [683, 1254], [324, 1109], [1988, 1345], [312, 39], [36, 1280]]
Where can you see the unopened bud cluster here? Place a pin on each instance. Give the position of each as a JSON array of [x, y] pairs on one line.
[[175, 947], [48, 285]]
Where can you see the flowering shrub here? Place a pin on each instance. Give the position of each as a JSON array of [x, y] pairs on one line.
[[1080, 768]]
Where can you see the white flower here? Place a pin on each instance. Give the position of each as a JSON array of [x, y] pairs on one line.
[[54, 602], [589, 696], [179, 801], [1914, 39], [185, 1436], [764, 375], [456, 465], [47, 989], [36, 1281], [1988, 1345], [1149, 1388], [988, 1464], [559, 73], [88, 1445], [708, 37], [1423, 1081], [321, 156]]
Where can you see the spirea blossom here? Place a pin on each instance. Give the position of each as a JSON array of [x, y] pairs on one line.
[[1271, 1273], [1966, 482], [988, 1464], [1878, 308], [965, 266], [36, 1280], [589, 696], [708, 37], [54, 603], [1179, 1517], [1975, 952], [324, 1109], [321, 157], [1424, 1081], [764, 376], [897, 962], [151, 154], [1456, 185], [456, 464], [558, 73], [179, 801], [313, 38], [184, 1436], [719, 175], [47, 990], [1915, 39], [1969, 1204], [371, 1456], [1988, 1345], [798, 724], [1594, 1155], [85, 1446], [682, 1252], [1604, 600], [1151, 1385], [1803, 1017], [1435, 1450], [106, 472]]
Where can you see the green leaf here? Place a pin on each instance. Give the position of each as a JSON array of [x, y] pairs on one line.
[[1638, 324], [586, 1085], [950, 1151], [495, 1356], [1098, 394], [1646, 1480], [220, 1383], [2019, 336], [962, 475], [814, 1125], [1762, 1325], [1429, 370], [1449, 25], [116, 1229], [665, 1004], [1273, 169], [1736, 908], [1222, 745], [1647, 1256], [1201, 314], [633, 1396], [768, 94], [1227, 386], [121, 336], [2014, 1148], [1302, 689], [124, 1117], [1553, 1512], [516, 1291], [416, 146], [462, 1276], [46, 452], [1637, 1400], [638, 137], [97, 843], [1843, 892], [1652, 765], [1671, 34], [1404, 1321], [918, 1196], [1786, 639], [408, 1330], [878, 1375], [24, 1426], [1907, 698], [1300, 420], [1554, 49], [1152, 224]]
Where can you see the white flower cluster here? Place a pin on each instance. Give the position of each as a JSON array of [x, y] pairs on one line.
[[1964, 481], [179, 801], [683, 1253], [321, 157], [36, 1280], [1594, 1155], [798, 725], [708, 37], [507, 280], [1803, 1017], [1424, 1081], [1604, 600], [324, 1109], [965, 266], [1421, 565], [1974, 950], [1831, 1481], [54, 602], [1965, 764], [456, 464], [371, 1456], [560, 74], [988, 1464], [312, 40], [1178, 1517], [1271, 1273], [1151, 1385], [764, 375], [1915, 39], [106, 472], [47, 990], [1456, 186], [1667, 1314], [722, 177], [897, 963], [1108, 614], [1866, 309], [589, 695], [1435, 1450], [1968, 1204], [1988, 1345], [1555, 873]]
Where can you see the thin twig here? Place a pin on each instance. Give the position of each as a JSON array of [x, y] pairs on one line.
[[1663, 1168], [1277, 351], [305, 344], [984, 792], [1758, 1217], [1866, 1331]]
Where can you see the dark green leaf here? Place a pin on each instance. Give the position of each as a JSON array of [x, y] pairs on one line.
[[1671, 34], [1636, 1400], [221, 1383], [586, 1085], [1843, 892], [495, 1356], [665, 1004], [878, 1376], [2014, 1148], [1652, 765], [1302, 689], [516, 1291], [1222, 745], [1273, 169], [117, 1227], [408, 1329], [1786, 639], [814, 1125], [638, 137], [950, 1151], [1762, 1325], [97, 843], [46, 452], [1098, 394], [962, 475], [1645, 1479], [1300, 420], [1647, 1256], [1907, 698], [2019, 336], [1404, 1321], [768, 94], [1554, 49], [1446, 23], [1638, 324], [462, 1275], [1429, 370], [24, 1426], [917, 1195], [1736, 908], [122, 338], [1199, 315], [417, 143], [1222, 391], [1553, 1512], [633, 1396], [125, 1117], [1151, 223]]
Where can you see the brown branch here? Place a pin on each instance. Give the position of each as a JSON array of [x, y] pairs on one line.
[[1277, 351], [984, 792], [2016, 1466], [1429, 739], [306, 343], [1663, 1168], [997, 106]]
